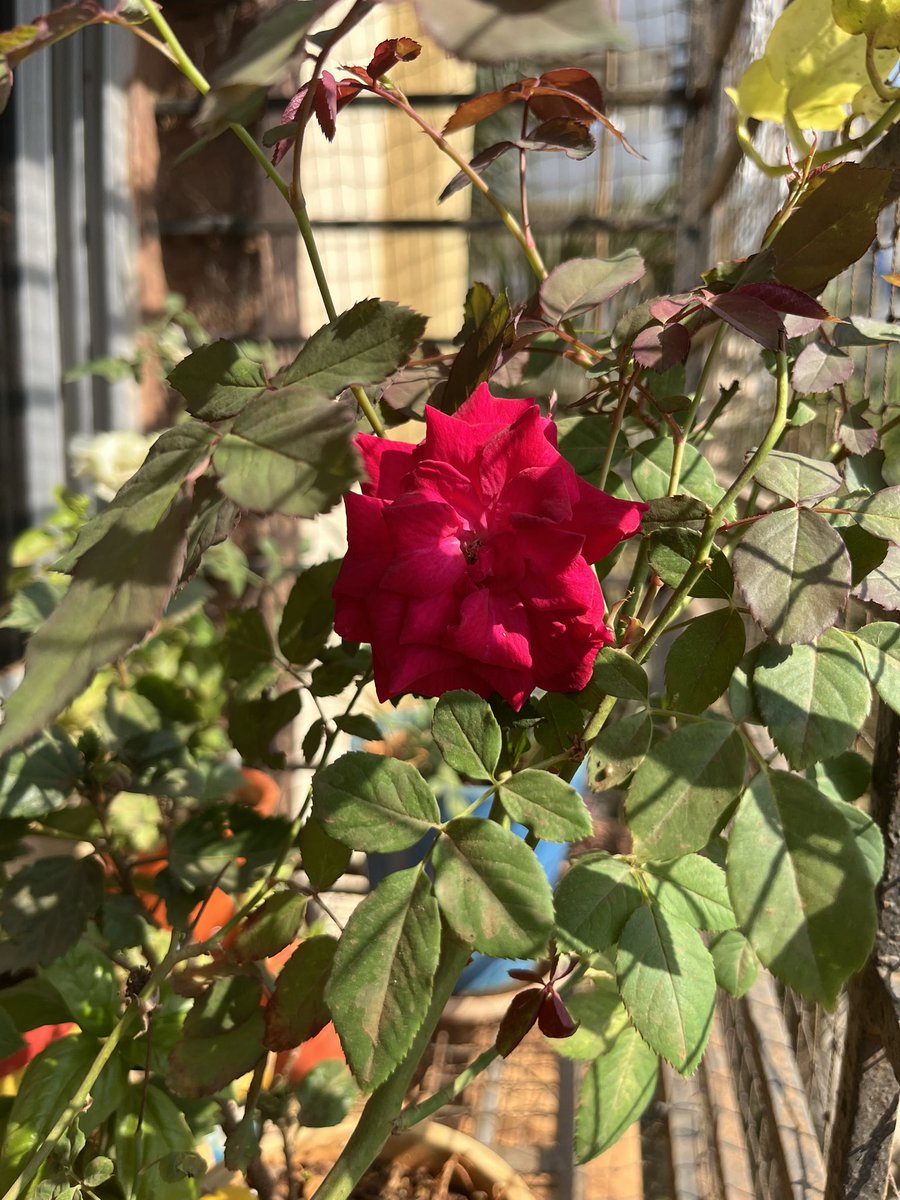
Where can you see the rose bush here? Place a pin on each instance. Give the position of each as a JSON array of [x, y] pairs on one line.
[[469, 557]]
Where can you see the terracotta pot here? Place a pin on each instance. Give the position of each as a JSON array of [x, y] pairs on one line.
[[427, 1145]]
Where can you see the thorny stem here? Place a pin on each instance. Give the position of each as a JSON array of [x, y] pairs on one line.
[[393, 95], [523, 186], [617, 419], [716, 517], [298, 207], [82, 1093], [690, 417]]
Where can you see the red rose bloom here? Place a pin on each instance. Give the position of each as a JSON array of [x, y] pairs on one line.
[[468, 560]]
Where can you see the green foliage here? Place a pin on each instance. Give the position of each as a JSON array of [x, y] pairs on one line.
[[165, 659], [380, 984]]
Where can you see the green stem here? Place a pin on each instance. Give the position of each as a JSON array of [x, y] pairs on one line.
[[82, 1093], [691, 416], [882, 90], [377, 1118], [201, 83], [617, 418], [822, 157], [716, 518], [414, 1113]]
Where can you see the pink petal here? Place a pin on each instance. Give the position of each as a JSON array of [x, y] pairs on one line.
[[492, 630], [387, 465]]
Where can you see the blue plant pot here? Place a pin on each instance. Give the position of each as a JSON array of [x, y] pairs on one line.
[[483, 974]]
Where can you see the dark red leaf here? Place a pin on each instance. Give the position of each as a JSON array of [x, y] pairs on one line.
[[749, 316], [783, 299], [553, 1019], [325, 104], [470, 112], [525, 975], [478, 164], [579, 82], [290, 112], [666, 307], [518, 1019], [573, 137], [660, 347], [390, 52]]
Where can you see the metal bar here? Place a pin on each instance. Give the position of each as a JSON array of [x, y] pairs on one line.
[[223, 225]]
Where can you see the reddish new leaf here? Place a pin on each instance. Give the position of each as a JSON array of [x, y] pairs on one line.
[[325, 103], [390, 52], [479, 108], [660, 347], [554, 1020], [518, 1019], [479, 164], [573, 137], [749, 316], [783, 299], [575, 80]]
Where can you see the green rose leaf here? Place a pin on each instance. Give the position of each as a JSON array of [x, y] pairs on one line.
[[545, 804], [492, 890], [674, 510], [882, 583], [702, 660], [39, 780], [693, 889], [163, 1131], [363, 345], [120, 590], [797, 478], [879, 644], [11, 1041], [381, 983], [794, 572], [652, 470], [297, 1010], [670, 556], [741, 700], [217, 381], [800, 885], [289, 452], [468, 734], [734, 961], [819, 368], [583, 441], [326, 1095], [619, 749], [308, 614], [814, 698], [615, 1091], [49, 1079], [683, 787], [222, 1038], [580, 284], [832, 227], [846, 777], [47, 904], [177, 455], [668, 984], [617, 674], [600, 1015], [323, 859], [269, 928], [374, 803], [593, 901], [84, 978], [878, 514], [254, 724], [868, 838]]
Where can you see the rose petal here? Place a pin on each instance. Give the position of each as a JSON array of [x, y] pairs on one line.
[[492, 630], [387, 464]]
